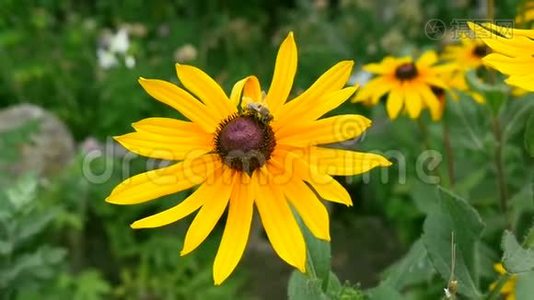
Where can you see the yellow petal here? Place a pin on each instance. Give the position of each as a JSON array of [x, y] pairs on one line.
[[509, 65], [279, 223], [249, 87], [386, 66], [511, 32], [236, 231], [182, 101], [413, 101], [167, 126], [510, 46], [435, 80], [445, 68], [206, 89], [375, 89], [310, 209], [395, 102], [172, 146], [210, 213], [295, 166], [344, 162], [523, 81], [427, 59], [177, 212], [378, 68], [284, 74], [323, 131], [160, 182], [329, 189], [324, 105], [331, 81], [431, 101]]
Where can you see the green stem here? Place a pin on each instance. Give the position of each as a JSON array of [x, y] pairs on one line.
[[491, 9], [448, 152], [424, 134], [501, 182]]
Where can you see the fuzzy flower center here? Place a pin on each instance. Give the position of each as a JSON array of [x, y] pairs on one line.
[[439, 92], [244, 142], [480, 51], [406, 71]]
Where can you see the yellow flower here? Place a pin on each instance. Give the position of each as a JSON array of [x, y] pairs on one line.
[[508, 289], [266, 153], [513, 51], [408, 83], [526, 13], [468, 54]]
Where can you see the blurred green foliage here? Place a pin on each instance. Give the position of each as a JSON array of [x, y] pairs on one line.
[[59, 239]]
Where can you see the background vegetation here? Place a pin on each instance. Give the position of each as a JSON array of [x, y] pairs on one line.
[[60, 240]]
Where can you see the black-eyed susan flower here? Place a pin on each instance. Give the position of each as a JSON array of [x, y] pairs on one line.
[[512, 52], [525, 13], [248, 150], [408, 84], [508, 289], [467, 54]]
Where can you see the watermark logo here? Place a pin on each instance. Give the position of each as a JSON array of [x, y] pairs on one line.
[[436, 29]]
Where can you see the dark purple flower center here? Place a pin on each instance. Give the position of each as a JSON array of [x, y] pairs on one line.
[[480, 51], [439, 92], [406, 71], [244, 142]]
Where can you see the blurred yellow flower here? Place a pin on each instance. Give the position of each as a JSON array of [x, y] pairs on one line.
[[408, 84], [247, 150], [526, 13], [508, 289], [513, 51], [466, 56]]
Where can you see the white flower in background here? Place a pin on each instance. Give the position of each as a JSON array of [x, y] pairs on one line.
[[129, 61], [185, 53], [106, 59], [113, 47], [361, 77], [119, 42]]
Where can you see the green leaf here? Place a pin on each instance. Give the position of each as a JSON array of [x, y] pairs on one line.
[[91, 286], [414, 267], [516, 259], [35, 224], [24, 192], [454, 215], [336, 290], [317, 257], [5, 248], [524, 288], [302, 287], [384, 292], [529, 135], [494, 94]]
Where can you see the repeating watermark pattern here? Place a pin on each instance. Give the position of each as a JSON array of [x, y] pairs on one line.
[[437, 29], [99, 165]]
